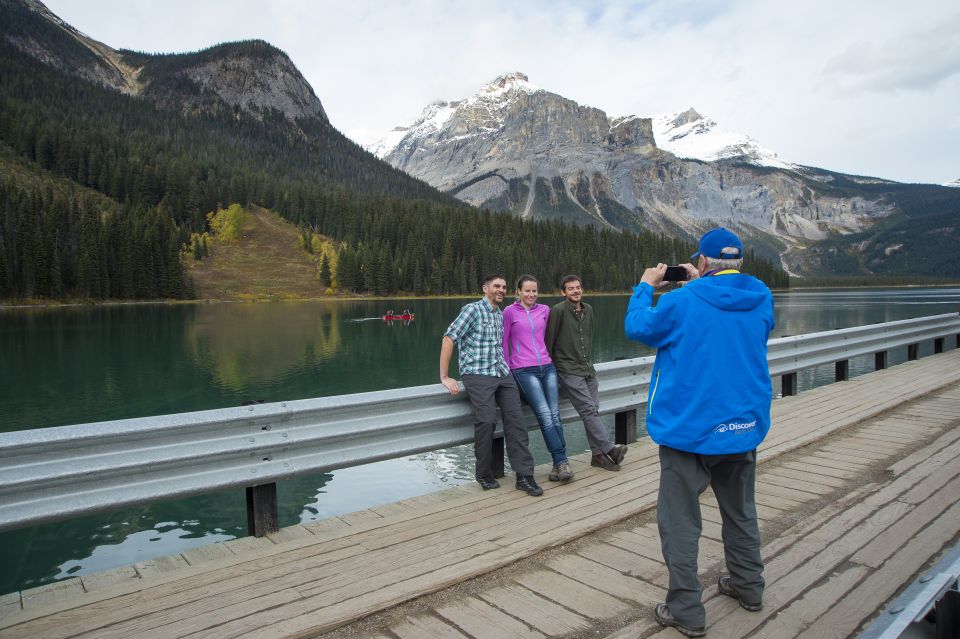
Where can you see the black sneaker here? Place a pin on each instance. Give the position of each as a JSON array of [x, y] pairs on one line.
[[603, 461], [527, 484], [617, 453], [726, 588], [665, 618], [488, 483]]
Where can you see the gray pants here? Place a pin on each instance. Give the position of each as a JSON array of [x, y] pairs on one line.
[[486, 392], [584, 395], [683, 476]]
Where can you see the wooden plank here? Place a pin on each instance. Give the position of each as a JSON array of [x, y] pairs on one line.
[[947, 439], [932, 484], [109, 578], [860, 603], [57, 591], [587, 601], [839, 449], [292, 533], [9, 604], [361, 516], [809, 479], [847, 461], [896, 536], [817, 490], [626, 562], [814, 603], [805, 465], [161, 565], [776, 501], [244, 546], [604, 579], [479, 619], [543, 614], [201, 554], [425, 627]]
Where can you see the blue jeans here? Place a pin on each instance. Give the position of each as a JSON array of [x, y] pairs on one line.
[[538, 386]]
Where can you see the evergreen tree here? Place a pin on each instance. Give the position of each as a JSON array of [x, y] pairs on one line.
[[326, 277]]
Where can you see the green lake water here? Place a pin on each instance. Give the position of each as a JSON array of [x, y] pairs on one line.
[[73, 365]]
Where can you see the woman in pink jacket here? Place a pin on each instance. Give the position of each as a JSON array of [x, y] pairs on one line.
[[524, 327]]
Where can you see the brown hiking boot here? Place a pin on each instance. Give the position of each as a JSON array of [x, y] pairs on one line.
[[603, 461], [617, 453]]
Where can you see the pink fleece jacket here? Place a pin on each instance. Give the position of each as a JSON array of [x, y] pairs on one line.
[[523, 333]]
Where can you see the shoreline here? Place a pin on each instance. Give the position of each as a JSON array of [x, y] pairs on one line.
[[38, 304]]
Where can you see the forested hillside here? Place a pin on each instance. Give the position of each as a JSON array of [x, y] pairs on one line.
[[160, 170]]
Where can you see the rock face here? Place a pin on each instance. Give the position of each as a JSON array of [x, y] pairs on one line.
[[515, 147], [253, 76]]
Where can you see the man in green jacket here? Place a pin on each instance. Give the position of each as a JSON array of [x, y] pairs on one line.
[[570, 343]]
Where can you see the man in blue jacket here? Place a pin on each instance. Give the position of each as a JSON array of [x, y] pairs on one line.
[[708, 409]]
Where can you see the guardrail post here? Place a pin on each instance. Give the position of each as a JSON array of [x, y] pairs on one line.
[[498, 470], [842, 371], [262, 509], [938, 345], [625, 427], [880, 361], [788, 384], [913, 351]]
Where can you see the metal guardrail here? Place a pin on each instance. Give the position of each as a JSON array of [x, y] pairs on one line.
[[57, 473]]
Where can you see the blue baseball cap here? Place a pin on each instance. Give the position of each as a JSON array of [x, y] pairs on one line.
[[719, 243]]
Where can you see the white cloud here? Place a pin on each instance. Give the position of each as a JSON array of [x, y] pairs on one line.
[[857, 86]]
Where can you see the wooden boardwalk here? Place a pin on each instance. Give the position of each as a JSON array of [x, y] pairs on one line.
[[857, 491]]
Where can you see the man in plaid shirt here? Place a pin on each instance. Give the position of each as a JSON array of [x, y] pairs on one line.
[[478, 333]]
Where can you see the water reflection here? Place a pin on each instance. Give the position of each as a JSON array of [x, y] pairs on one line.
[[255, 345]]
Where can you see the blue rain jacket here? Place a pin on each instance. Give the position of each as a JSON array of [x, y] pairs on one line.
[[710, 391]]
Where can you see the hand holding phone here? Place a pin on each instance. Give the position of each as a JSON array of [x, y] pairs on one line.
[[676, 274]]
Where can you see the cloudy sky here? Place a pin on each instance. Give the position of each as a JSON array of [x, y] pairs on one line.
[[870, 87]]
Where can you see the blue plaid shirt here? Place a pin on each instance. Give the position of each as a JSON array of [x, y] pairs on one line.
[[478, 332]]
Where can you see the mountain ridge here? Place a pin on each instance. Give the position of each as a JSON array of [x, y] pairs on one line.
[[539, 155]]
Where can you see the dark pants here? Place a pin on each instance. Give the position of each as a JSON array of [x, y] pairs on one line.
[[584, 394], [486, 392], [683, 476]]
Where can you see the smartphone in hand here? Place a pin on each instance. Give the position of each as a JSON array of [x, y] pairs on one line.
[[675, 274]]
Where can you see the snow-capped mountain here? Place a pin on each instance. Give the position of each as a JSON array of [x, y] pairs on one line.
[[690, 135], [953, 183], [516, 147]]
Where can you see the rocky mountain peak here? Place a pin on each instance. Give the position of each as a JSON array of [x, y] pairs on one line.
[[252, 75], [507, 82], [687, 117]]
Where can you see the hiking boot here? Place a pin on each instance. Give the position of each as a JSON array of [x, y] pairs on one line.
[[564, 474], [488, 483], [726, 588], [527, 484], [617, 452], [554, 473], [603, 461], [665, 618]]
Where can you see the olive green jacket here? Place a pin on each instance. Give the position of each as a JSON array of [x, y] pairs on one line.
[[570, 340]]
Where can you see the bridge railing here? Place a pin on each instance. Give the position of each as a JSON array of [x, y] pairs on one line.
[[57, 473]]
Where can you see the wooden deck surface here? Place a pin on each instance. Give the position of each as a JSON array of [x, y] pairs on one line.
[[857, 491]]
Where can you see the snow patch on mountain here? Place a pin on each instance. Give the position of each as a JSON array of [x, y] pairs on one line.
[[491, 100], [688, 134], [953, 183]]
